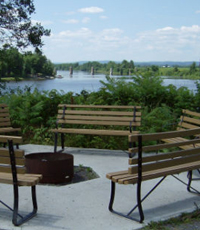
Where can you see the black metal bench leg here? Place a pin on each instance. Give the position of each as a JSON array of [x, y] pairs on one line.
[[55, 142], [139, 202], [189, 180], [112, 196], [16, 215], [62, 141]]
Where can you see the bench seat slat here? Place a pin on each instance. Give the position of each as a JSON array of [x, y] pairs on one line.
[[15, 139], [23, 179], [94, 131], [128, 178], [110, 175]]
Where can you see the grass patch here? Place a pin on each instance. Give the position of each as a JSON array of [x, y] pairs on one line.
[[176, 223]]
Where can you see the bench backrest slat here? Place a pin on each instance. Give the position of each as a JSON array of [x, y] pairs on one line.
[[4, 116], [100, 118], [99, 115], [15, 139], [171, 158], [88, 122], [5, 162], [100, 106], [102, 113], [192, 113], [191, 120]]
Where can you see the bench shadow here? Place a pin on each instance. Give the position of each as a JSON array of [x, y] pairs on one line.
[[170, 210], [40, 220]]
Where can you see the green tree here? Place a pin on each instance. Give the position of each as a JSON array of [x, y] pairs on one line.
[[16, 28], [193, 68], [13, 63], [149, 90]]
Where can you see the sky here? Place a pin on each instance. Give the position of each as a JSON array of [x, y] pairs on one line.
[[117, 30]]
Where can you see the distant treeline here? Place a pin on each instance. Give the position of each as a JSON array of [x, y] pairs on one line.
[[191, 71], [17, 65]]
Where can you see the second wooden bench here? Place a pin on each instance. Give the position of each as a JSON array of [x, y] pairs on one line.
[[105, 120], [188, 120]]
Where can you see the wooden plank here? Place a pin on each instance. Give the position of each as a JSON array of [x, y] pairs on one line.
[[164, 135], [98, 118], [100, 106], [99, 112], [188, 126], [192, 113], [9, 129], [18, 153], [3, 105], [6, 160], [165, 156], [95, 132], [132, 178], [15, 139], [169, 162], [7, 169], [5, 124], [113, 174], [4, 119], [87, 122], [169, 143], [191, 120], [23, 179]]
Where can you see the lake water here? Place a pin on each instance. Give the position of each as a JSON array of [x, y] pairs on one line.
[[85, 81]]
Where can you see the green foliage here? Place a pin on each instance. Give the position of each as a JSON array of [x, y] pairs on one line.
[[14, 64], [35, 112], [16, 27], [160, 119]]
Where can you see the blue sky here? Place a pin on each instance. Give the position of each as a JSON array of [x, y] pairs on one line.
[[138, 30]]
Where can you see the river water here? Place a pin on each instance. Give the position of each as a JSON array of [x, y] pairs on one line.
[[85, 81]]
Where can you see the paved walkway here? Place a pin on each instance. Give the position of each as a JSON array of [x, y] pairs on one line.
[[84, 205]]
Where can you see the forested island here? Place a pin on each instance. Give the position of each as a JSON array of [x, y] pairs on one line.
[[15, 65]]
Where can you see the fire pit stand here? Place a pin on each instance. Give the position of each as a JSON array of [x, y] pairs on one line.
[[56, 168]]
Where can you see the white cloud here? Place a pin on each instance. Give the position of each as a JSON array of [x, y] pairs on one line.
[[81, 34], [92, 10], [172, 43], [103, 17], [85, 20], [70, 21], [70, 13], [43, 23]]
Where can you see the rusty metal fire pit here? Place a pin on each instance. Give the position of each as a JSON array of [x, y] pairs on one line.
[[56, 168]]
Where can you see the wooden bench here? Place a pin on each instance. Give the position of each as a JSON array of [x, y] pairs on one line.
[[188, 120], [105, 120], [151, 166], [5, 122], [13, 171]]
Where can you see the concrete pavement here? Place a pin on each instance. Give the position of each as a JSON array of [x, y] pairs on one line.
[[84, 205]]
